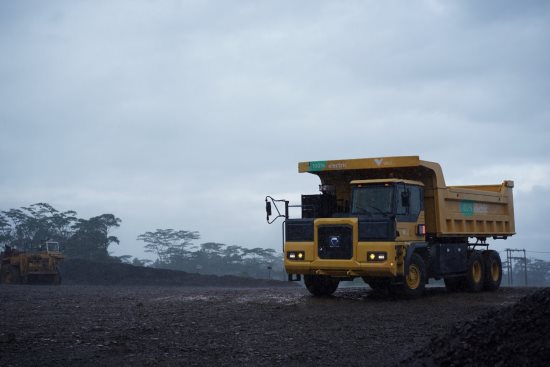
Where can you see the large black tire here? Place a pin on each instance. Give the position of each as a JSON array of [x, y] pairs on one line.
[[378, 284], [321, 285], [493, 270], [475, 273], [455, 284], [414, 283]]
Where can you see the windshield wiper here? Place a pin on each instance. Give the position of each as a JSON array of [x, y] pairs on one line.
[[364, 209]]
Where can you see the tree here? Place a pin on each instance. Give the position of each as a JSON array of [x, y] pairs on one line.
[[29, 226], [5, 231], [21, 228], [233, 254], [174, 249], [259, 255], [211, 248], [91, 238], [170, 246], [538, 272]]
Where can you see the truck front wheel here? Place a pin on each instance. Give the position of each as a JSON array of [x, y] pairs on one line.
[[414, 283], [321, 285], [475, 274]]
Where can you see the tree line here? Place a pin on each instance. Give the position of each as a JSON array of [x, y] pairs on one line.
[[174, 249], [536, 270], [28, 227]]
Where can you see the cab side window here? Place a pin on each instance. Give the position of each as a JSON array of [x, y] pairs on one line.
[[416, 201], [409, 203], [402, 207]]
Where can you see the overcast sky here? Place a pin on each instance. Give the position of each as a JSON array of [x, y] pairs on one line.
[[185, 114]]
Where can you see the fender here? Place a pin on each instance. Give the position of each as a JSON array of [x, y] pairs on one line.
[[411, 249]]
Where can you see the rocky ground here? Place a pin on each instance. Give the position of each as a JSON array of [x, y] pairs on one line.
[[133, 325], [516, 335], [84, 272]]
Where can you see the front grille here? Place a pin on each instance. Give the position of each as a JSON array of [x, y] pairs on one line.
[[335, 242], [299, 230]]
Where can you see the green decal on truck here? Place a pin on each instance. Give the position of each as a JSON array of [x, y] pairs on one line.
[[317, 166], [467, 208]]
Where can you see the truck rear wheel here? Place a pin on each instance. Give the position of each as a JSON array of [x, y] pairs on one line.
[[321, 285], [475, 274], [414, 283], [493, 270]]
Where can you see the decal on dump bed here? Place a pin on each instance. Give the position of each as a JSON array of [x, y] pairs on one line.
[[317, 166], [467, 208]]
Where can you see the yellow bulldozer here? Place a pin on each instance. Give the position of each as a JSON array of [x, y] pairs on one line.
[[37, 266]]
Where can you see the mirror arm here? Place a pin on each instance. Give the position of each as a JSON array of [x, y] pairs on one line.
[[269, 200]]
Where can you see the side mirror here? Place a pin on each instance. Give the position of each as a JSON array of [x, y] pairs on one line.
[[268, 209]]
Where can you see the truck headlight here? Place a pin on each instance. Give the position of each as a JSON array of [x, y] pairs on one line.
[[296, 255], [377, 256]]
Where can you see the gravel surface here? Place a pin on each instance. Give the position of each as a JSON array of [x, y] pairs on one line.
[[79, 271], [277, 326], [517, 335]]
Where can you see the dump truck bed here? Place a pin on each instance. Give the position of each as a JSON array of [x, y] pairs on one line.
[[475, 211], [450, 211]]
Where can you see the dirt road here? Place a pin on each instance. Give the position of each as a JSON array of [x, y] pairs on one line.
[[133, 325]]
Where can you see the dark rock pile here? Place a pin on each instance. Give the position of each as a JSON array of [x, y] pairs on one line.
[[78, 271], [517, 335]]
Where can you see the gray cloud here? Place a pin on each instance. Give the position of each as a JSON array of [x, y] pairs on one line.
[[185, 114]]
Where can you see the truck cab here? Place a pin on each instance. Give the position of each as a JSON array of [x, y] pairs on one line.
[[366, 240], [391, 201]]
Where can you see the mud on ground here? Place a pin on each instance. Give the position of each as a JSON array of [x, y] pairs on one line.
[[146, 325], [79, 271]]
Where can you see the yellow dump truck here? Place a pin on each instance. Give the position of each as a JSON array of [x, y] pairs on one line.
[[39, 266], [395, 223]]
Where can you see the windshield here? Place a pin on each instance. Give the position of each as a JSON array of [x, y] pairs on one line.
[[52, 246], [373, 199]]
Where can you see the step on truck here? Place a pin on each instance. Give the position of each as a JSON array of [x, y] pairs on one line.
[[395, 223]]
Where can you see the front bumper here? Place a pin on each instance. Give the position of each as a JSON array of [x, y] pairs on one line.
[[357, 266]]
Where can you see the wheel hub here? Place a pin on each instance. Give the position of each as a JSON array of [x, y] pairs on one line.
[[476, 272], [413, 278]]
